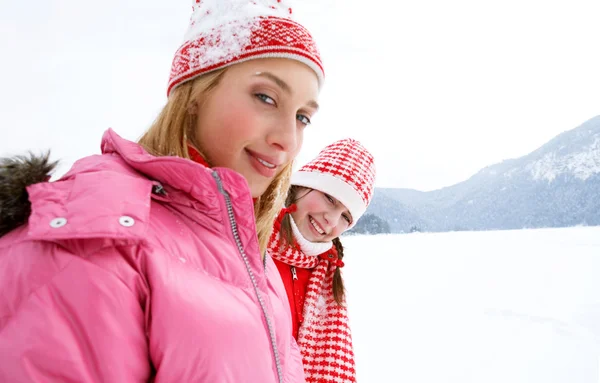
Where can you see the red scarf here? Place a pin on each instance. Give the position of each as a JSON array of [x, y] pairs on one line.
[[196, 156], [324, 336]]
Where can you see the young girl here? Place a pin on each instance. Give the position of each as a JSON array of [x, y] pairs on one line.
[[143, 264], [327, 197]]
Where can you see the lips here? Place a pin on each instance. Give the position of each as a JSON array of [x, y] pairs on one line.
[[267, 164], [316, 226], [264, 165]]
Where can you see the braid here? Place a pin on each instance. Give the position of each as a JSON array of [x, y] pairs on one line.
[[286, 225], [339, 292]]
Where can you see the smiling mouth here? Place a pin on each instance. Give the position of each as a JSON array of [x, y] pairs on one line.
[[267, 164], [316, 226]]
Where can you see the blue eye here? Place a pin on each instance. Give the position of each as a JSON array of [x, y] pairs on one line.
[[303, 119], [264, 98]]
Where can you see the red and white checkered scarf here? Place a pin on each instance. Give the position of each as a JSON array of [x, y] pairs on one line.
[[324, 335]]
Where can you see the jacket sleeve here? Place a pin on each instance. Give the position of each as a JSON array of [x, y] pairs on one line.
[[77, 321]]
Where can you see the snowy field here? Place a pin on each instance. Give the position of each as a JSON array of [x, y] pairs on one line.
[[502, 306]]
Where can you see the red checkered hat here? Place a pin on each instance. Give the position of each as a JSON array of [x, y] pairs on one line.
[[346, 171], [225, 32]]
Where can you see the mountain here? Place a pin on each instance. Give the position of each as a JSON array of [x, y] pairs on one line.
[[370, 224], [556, 185]]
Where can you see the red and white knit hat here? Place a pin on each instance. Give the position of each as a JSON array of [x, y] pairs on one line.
[[225, 32], [346, 171]]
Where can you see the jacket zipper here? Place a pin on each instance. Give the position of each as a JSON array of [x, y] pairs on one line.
[[238, 242], [296, 292]]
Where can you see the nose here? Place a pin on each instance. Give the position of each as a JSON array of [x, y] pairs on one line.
[[285, 135], [332, 217]]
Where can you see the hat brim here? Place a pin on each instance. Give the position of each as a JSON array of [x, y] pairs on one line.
[[335, 187]]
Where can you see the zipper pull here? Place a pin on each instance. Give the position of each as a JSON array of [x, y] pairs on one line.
[[294, 275]]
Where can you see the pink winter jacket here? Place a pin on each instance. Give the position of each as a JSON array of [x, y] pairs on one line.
[[134, 268]]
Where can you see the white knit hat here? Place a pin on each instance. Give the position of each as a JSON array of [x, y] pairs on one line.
[[346, 171], [225, 32]]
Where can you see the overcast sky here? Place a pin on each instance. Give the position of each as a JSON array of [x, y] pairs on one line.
[[435, 89]]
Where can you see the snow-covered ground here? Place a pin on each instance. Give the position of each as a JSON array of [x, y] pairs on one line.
[[502, 306]]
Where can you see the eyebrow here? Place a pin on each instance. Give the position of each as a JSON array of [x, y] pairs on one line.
[[283, 85], [313, 104]]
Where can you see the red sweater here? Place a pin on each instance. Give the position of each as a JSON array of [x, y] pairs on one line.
[[295, 287]]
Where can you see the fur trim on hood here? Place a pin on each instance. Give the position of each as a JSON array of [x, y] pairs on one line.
[[16, 173]]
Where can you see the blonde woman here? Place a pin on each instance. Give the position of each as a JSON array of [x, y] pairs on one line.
[[145, 263]]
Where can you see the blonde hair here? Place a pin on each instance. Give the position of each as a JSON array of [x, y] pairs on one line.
[[174, 128]]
